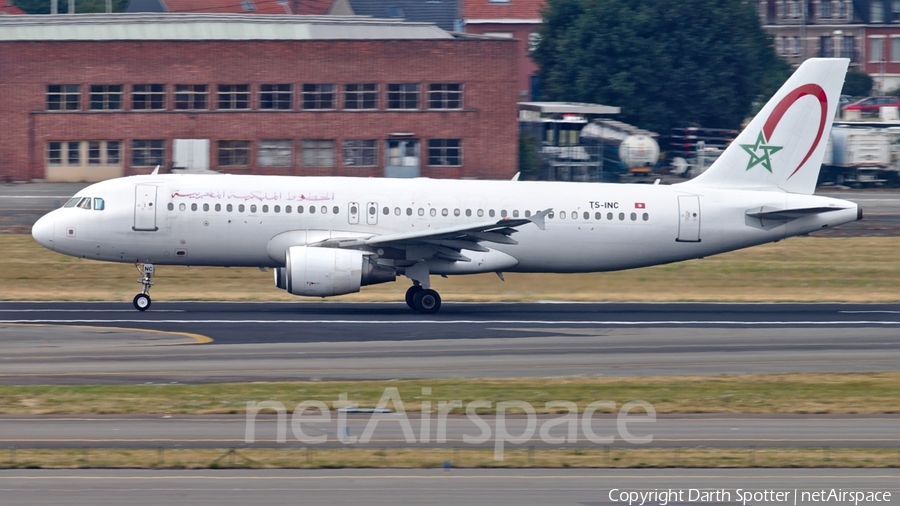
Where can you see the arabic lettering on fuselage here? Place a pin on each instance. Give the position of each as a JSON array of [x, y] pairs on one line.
[[254, 195]]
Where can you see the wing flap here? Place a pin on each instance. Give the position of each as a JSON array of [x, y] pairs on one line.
[[768, 213]]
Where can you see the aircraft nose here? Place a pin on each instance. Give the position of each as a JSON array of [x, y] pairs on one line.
[[42, 231]]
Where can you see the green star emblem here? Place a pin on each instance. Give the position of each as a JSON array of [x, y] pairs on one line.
[[760, 153]]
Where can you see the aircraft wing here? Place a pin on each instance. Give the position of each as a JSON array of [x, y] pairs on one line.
[[445, 243]]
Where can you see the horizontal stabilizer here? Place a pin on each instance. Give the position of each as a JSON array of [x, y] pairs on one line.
[[769, 213]]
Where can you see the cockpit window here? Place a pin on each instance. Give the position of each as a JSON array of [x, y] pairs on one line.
[[99, 204], [72, 201], [85, 203]]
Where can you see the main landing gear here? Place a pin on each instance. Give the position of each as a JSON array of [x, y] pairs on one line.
[[142, 300], [423, 300]]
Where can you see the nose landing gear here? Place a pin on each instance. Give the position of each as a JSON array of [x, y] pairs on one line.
[[142, 300]]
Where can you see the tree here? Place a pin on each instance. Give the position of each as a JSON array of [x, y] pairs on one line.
[[666, 64], [858, 84], [81, 6]]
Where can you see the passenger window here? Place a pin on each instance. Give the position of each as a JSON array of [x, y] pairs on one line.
[[253, 208], [409, 211], [170, 207], [312, 209], [73, 201], [241, 208], [287, 209], [528, 214], [372, 211], [621, 216], [480, 213], [205, 207], [99, 204], [218, 207], [193, 207], [335, 210], [445, 212], [277, 209], [421, 212], [353, 210], [433, 212], [491, 213], [386, 211], [299, 209], [633, 216], [182, 207], [587, 215], [229, 208], [396, 211], [646, 217], [550, 215], [503, 213], [598, 216], [324, 209], [456, 212], [468, 212], [515, 213], [609, 216], [265, 209], [562, 215]]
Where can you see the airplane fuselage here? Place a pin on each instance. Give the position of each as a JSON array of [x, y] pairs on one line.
[[231, 220]]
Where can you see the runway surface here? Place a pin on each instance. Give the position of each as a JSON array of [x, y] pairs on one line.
[[477, 487], [666, 431], [312, 341]]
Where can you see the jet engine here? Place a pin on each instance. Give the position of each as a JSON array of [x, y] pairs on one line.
[[322, 272]]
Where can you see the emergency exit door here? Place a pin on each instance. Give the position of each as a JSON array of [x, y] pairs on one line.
[[145, 208]]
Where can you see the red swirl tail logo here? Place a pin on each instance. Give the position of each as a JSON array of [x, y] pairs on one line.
[[761, 151]]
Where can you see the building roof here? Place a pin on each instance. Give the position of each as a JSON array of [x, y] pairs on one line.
[[150, 26], [527, 10], [305, 7], [443, 13], [568, 108], [7, 7]]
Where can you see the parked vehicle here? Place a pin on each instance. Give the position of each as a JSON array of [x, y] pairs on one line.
[[873, 104]]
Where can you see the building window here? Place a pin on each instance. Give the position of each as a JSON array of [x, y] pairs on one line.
[[106, 97], [234, 153], [502, 35], [318, 96], [403, 96], [877, 12], [276, 96], [361, 96], [248, 6], [275, 153], [360, 153], [795, 45], [895, 10], [534, 40], [825, 9], [99, 153], [876, 49], [147, 153], [63, 97], [191, 97], [318, 153], [826, 46], [895, 49], [848, 47], [233, 96], [444, 152], [445, 96], [146, 97], [842, 9], [795, 8], [113, 153], [54, 153]]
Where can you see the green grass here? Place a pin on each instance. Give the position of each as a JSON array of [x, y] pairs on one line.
[[514, 457], [854, 269], [779, 393]]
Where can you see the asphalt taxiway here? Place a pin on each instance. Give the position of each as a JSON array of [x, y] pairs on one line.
[[71, 343]]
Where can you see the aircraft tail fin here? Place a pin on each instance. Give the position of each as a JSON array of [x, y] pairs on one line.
[[783, 147]]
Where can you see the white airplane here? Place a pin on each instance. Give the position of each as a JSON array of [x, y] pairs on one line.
[[328, 236]]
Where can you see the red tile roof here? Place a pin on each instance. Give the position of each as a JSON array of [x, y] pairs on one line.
[[225, 6], [514, 9], [311, 7], [6, 7]]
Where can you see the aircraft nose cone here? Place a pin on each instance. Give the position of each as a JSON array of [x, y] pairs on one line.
[[42, 231]]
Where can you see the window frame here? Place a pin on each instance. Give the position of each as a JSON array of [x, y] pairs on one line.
[[443, 96], [231, 97], [363, 150], [272, 99], [403, 96], [68, 97], [148, 151], [153, 99], [264, 147], [233, 153], [108, 97], [444, 152], [190, 96], [312, 150], [358, 99], [318, 96]]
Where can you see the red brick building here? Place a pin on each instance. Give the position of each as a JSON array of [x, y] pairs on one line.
[[517, 19], [89, 97]]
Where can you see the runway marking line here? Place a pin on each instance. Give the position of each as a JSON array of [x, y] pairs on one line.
[[198, 338], [489, 322], [460, 475]]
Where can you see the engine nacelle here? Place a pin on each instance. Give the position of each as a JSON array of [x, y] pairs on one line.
[[323, 272]]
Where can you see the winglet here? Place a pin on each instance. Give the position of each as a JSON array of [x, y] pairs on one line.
[[516, 177], [155, 171], [538, 217]]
